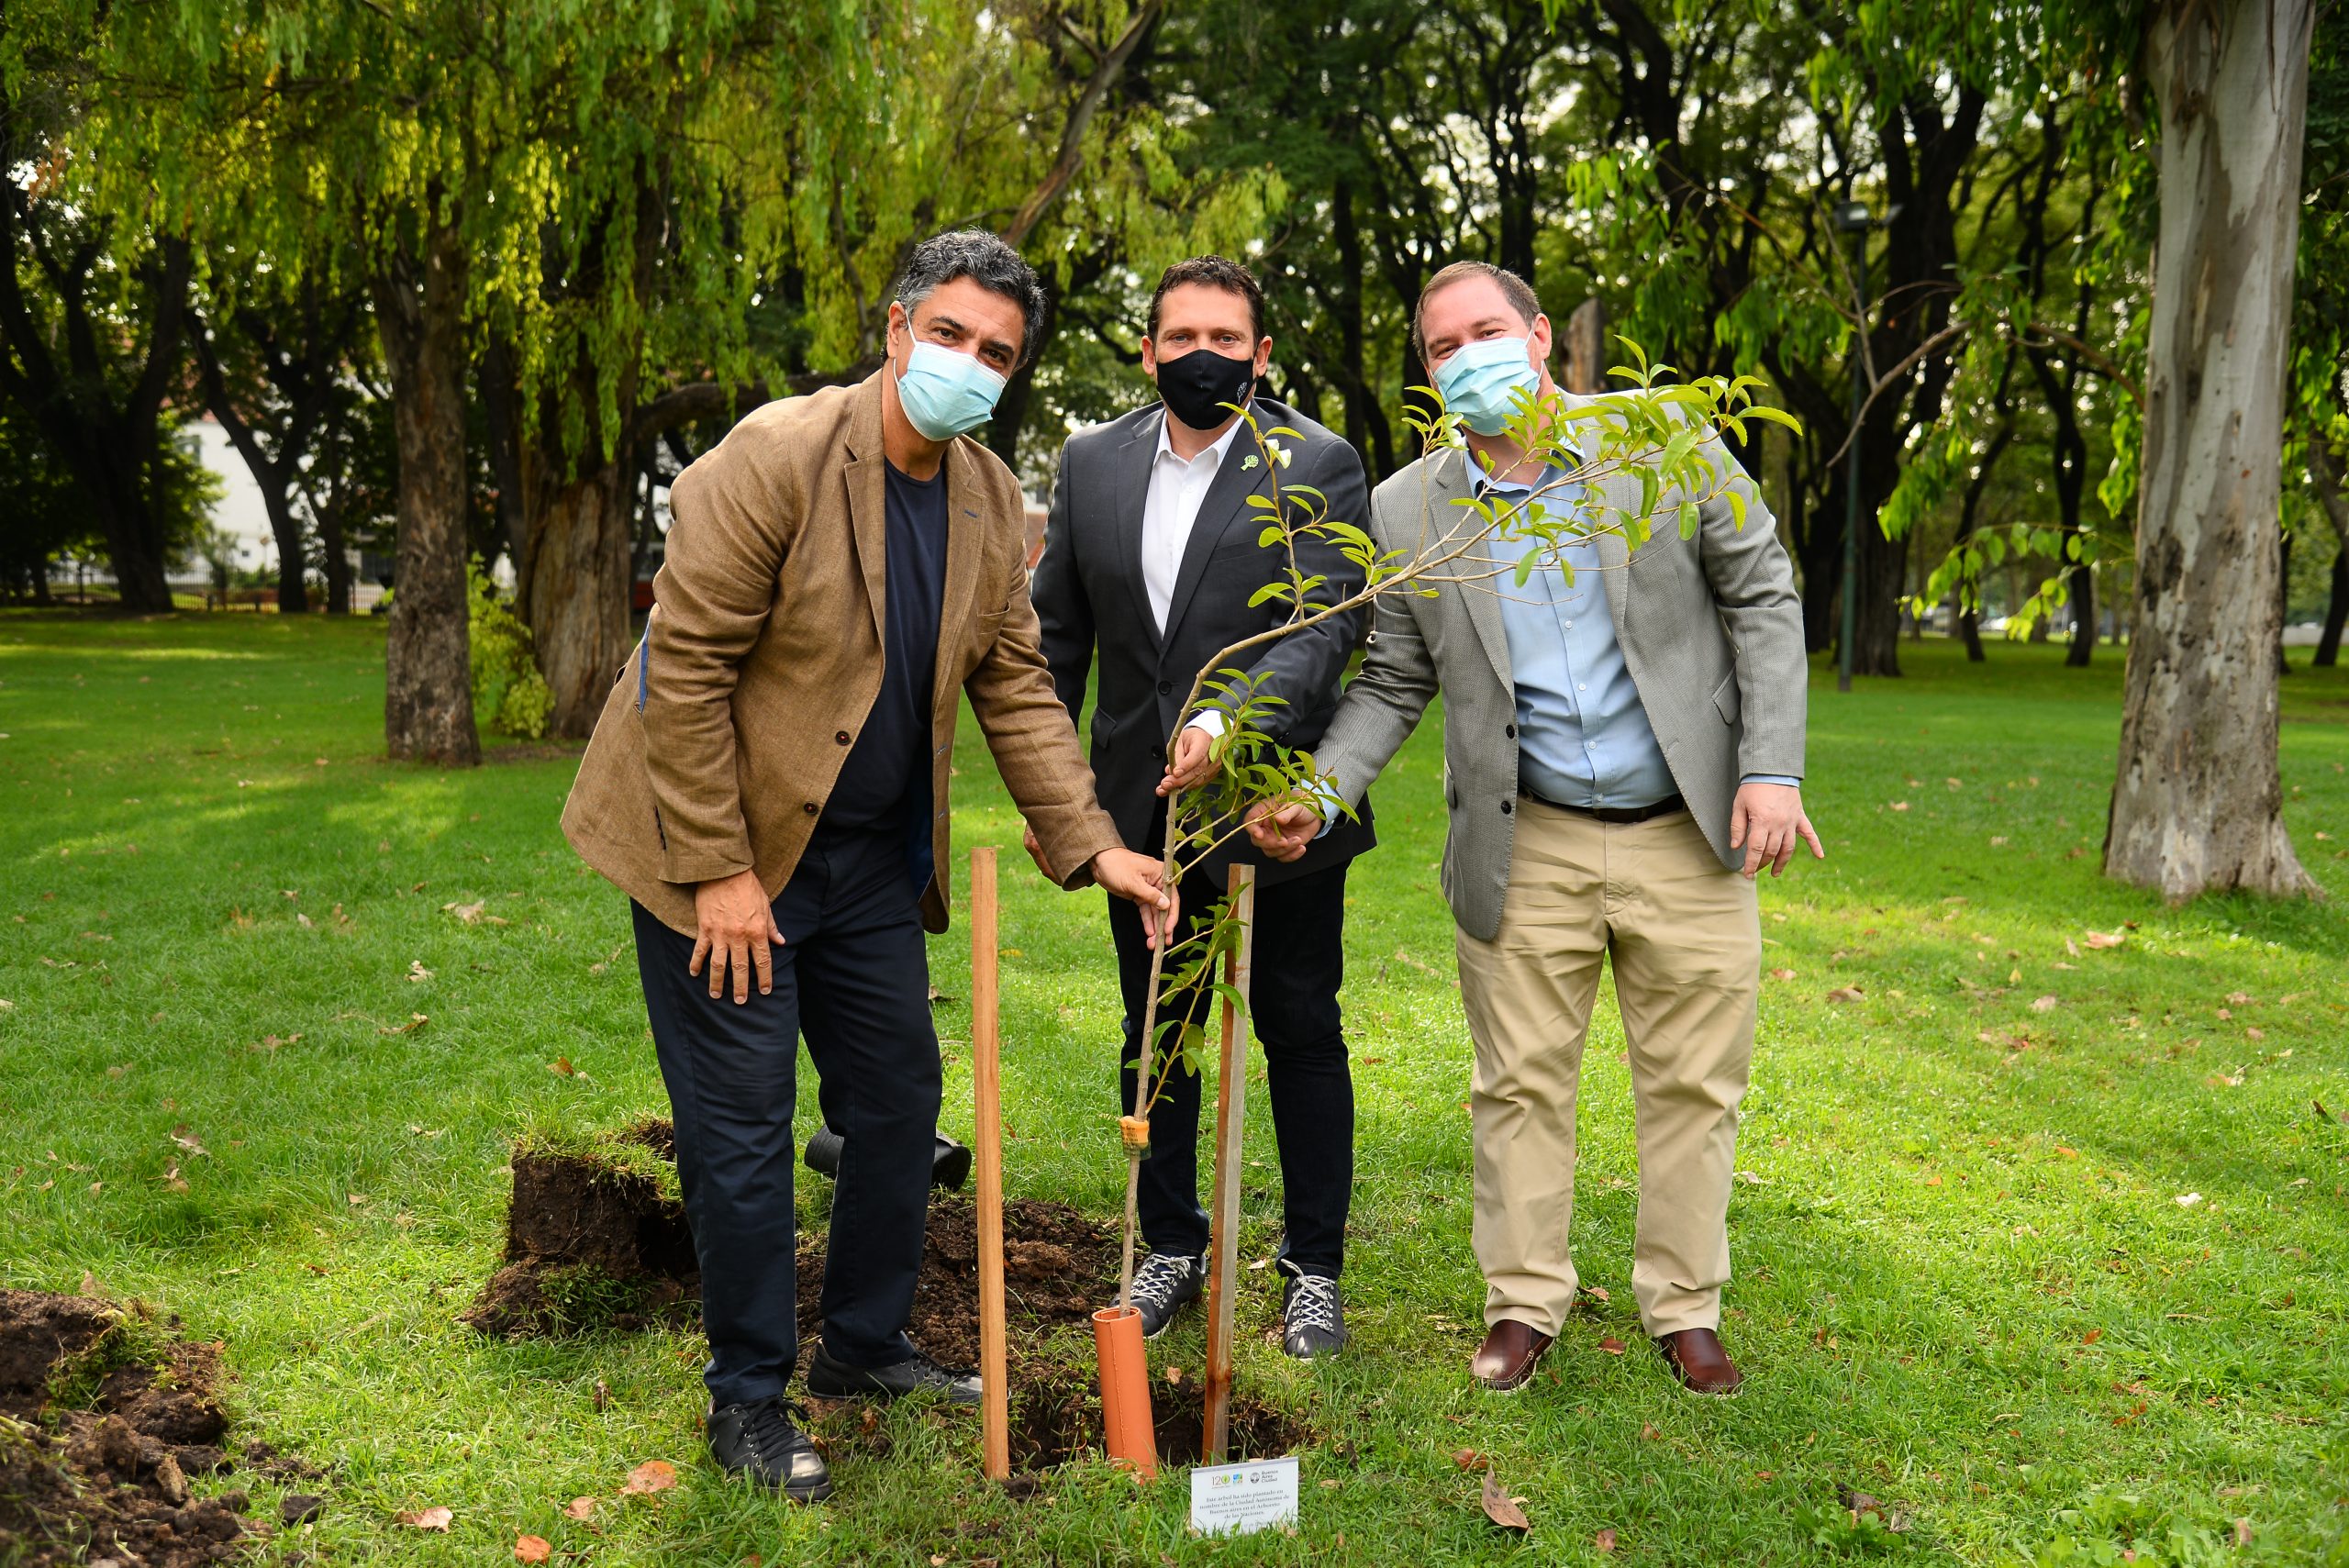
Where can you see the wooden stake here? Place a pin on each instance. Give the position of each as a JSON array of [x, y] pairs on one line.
[[1230, 1111], [986, 1082]]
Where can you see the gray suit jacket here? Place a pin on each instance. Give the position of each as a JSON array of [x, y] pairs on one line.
[[1090, 599], [1710, 629]]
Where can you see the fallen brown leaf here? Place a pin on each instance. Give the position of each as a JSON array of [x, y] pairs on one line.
[[1648, 1432], [652, 1476], [2045, 1004], [427, 1519], [1847, 994], [2106, 939], [561, 1067], [1603, 1542], [1611, 1345], [1501, 1508], [415, 1022], [1468, 1458], [531, 1548], [187, 1141], [1782, 974], [579, 1508]]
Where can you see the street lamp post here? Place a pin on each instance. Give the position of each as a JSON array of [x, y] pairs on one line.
[[1853, 219]]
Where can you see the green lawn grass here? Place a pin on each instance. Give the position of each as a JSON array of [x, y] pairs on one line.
[[1972, 1278]]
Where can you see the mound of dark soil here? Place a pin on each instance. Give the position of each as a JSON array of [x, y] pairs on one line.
[[1057, 1266], [1056, 1417], [592, 1243], [105, 1414], [588, 1244]]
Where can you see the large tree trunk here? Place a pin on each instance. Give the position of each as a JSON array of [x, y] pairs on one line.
[[428, 674], [578, 590], [2197, 803]]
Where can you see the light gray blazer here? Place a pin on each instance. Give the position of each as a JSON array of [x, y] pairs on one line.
[[1710, 629]]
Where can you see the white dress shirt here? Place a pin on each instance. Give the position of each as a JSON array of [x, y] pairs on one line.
[[1177, 488]]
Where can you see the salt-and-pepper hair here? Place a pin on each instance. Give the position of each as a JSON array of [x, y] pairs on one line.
[[986, 260]]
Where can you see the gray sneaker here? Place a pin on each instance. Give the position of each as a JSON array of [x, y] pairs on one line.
[[1164, 1285], [758, 1441], [1313, 1317]]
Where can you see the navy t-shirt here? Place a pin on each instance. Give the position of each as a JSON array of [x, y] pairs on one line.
[[885, 781]]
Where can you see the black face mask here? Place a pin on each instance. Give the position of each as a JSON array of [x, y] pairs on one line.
[[1198, 385]]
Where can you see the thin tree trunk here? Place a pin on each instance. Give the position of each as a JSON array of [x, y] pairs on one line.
[[2197, 804], [2083, 595], [427, 686], [2326, 471], [501, 408], [2283, 601], [338, 564], [2336, 612]]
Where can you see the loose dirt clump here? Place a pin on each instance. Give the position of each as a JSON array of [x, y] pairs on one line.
[[105, 1414], [592, 1241], [1057, 1267]]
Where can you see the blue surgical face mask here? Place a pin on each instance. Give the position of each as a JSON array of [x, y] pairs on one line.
[[1481, 381], [945, 394]]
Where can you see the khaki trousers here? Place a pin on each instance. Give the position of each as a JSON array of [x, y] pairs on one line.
[[1685, 938]]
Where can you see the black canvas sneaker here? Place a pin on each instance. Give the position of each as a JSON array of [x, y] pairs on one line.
[[760, 1441]]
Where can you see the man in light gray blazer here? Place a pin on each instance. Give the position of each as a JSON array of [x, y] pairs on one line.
[[1622, 754]]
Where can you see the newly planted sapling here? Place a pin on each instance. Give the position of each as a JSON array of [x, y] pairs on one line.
[[1607, 467]]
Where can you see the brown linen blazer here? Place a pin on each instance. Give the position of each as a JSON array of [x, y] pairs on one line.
[[727, 729]]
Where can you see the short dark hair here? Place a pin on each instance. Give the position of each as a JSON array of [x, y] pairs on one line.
[[986, 260], [1214, 272], [1514, 289]]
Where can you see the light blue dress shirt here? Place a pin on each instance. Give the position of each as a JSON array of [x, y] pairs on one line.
[[1583, 737]]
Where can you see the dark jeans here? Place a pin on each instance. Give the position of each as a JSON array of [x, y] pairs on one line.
[[854, 977], [1293, 1014]]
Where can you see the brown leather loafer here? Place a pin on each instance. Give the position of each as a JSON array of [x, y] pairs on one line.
[[1505, 1362], [1698, 1360]]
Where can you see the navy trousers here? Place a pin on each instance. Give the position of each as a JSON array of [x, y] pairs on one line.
[[1294, 1018], [852, 976]]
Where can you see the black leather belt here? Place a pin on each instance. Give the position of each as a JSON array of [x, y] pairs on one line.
[[1615, 814]]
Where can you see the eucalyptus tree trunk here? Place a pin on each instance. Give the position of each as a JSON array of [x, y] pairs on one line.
[[428, 664], [2197, 803]]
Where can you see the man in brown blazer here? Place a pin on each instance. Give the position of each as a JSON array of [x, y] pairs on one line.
[[768, 784]]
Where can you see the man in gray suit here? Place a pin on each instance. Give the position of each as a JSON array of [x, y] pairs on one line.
[[1152, 561], [1622, 752]]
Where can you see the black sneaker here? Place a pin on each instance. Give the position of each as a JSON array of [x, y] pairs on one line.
[[830, 1379], [759, 1440], [1313, 1317], [950, 1163], [1164, 1285]]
